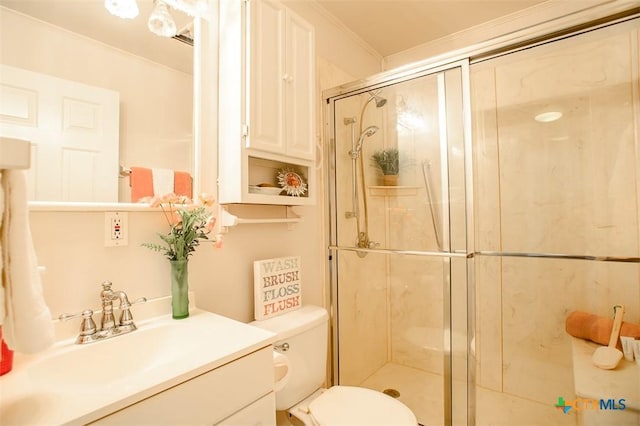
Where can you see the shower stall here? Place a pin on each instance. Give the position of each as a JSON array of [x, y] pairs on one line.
[[517, 203]]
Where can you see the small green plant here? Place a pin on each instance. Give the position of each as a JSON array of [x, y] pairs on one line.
[[387, 160]]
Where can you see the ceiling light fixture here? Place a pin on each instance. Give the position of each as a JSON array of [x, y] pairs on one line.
[[127, 9], [160, 21]]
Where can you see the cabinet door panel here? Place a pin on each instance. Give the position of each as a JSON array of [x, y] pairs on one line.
[[300, 88], [205, 399], [267, 77]]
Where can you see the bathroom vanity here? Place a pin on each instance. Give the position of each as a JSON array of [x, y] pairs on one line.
[[205, 369]]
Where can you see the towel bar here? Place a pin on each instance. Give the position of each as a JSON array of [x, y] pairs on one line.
[[124, 171]]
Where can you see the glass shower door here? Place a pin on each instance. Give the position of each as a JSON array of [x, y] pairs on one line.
[[556, 138], [399, 248]]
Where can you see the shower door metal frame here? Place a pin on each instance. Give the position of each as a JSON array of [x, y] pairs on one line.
[[375, 83]]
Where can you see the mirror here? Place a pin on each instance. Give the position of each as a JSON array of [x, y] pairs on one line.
[[140, 89]]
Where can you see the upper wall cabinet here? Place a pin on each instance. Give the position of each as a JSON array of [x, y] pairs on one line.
[[267, 105]]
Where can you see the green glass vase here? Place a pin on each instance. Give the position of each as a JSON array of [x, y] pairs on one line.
[[179, 288]]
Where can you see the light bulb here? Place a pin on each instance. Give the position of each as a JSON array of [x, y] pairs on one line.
[[160, 21]]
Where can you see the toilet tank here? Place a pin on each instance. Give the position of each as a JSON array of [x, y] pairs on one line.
[[305, 330]]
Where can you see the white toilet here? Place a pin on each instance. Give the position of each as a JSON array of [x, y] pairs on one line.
[[302, 338]]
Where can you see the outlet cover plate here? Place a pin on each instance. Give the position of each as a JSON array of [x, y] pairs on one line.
[[116, 229]]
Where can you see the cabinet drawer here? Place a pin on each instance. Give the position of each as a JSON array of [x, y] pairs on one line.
[[205, 399]]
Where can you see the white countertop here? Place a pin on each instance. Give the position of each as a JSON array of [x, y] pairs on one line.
[[192, 346], [595, 383]]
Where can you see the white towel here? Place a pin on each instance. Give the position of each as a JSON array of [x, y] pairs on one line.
[[3, 313], [27, 326], [162, 181]]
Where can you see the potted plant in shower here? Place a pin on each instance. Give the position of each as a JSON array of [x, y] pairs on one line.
[[388, 162]]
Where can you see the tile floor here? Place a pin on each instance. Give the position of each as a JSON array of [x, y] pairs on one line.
[[423, 393]]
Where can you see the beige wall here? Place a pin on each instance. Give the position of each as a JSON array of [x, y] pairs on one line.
[[336, 43], [70, 244]]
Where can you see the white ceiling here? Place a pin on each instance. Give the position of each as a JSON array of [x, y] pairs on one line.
[[391, 26], [388, 26]]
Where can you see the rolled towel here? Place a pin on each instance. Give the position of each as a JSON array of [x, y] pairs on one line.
[[596, 328]]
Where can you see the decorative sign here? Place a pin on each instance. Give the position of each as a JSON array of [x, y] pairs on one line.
[[277, 287]]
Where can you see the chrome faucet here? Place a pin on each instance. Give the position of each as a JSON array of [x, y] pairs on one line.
[[108, 325]]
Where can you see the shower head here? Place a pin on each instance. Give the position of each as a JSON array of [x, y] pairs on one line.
[[380, 101], [368, 132]]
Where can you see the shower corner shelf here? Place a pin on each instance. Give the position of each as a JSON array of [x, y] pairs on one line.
[[392, 191]]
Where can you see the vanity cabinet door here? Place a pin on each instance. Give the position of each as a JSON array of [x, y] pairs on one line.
[[260, 413], [207, 399]]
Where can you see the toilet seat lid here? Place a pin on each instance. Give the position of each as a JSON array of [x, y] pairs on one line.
[[349, 405]]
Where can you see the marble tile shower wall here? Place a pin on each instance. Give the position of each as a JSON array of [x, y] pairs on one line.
[[567, 186]]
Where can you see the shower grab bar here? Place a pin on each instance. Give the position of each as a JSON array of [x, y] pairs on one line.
[[470, 255], [427, 187]]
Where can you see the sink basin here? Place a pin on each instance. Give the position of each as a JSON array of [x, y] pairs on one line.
[[118, 359], [78, 384]]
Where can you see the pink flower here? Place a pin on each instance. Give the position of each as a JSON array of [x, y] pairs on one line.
[[189, 225], [211, 223], [206, 199]]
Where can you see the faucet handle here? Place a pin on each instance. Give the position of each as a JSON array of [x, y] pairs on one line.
[[126, 319], [87, 327], [106, 285]]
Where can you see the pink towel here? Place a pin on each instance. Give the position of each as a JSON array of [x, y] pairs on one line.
[[182, 183], [141, 182]]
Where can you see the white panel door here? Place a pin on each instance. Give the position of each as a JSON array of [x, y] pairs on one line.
[[267, 77], [74, 131]]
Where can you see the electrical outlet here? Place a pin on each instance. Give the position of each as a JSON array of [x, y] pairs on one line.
[[116, 229]]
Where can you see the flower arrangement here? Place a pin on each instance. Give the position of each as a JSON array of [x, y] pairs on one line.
[[387, 160], [189, 224]]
